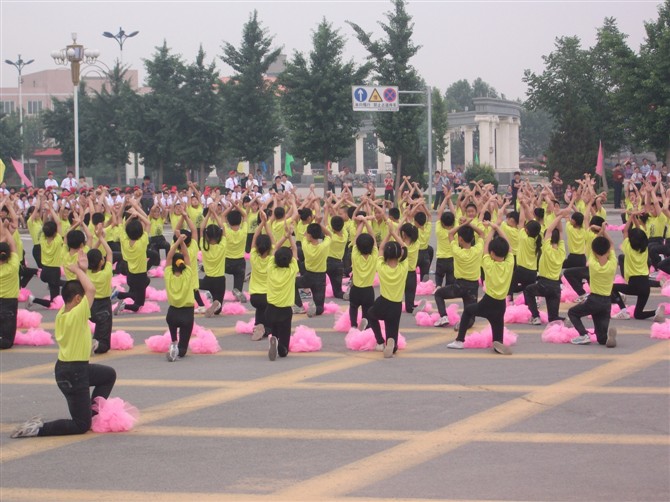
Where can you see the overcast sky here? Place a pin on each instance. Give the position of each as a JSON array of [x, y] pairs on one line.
[[494, 40]]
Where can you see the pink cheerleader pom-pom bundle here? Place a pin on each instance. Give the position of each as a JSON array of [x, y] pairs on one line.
[[57, 302], [157, 272], [26, 319], [484, 339], [360, 340], [661, 330], [452, 314], [556, 332], [24, 293], [156, 295], [159, 343], [245, 328], [425, 288], [426, 319], [304, 339], [113, 415], [343, 323], [331, 308], [34, 337], [121, 340], [119, 280], [203, 341], [233, 308]]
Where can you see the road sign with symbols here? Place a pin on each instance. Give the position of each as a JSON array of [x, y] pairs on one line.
[[376, 98]]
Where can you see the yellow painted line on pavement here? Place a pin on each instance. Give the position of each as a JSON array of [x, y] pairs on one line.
[[51, 495], [598, 439]]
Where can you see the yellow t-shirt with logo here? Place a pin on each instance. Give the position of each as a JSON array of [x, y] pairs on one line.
[[236, 241], [601, 277], [52, 251], [551, 260], [156, 226], [467, 262], [70, 258], [214, 258], [258, 283], [316, 255], [73, 334]]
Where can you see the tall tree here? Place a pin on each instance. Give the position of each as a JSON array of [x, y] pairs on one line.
[[10, 139], [399, 131], [316, 99], [251, 118], [535, 133], [460, 94], [440, 126]]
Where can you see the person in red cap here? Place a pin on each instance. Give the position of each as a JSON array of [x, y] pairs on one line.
[[50, 182], [231, 181]]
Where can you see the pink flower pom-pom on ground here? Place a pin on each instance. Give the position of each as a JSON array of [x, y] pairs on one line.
[[203, 341], [342, 322], [402, 341], [331, 308], [56, 304], [666, 290], [247, 256], [156, 273], [662, 276], [119, 280], [121, 340], [619, 280], [26, 319], [329, 289], [113, 415], [425, 288], [156, 295], [34, 337], [159, 343], [428, 308], [666, 307], [484, 339], [24, 293], [233, 308], [304, 339], [661, 330], [149, 308], [229, 297], [426, 319], [452, 314], [360, 340], [556, 332], [517, 314], [245, 328], [519, 300], [615, 228]]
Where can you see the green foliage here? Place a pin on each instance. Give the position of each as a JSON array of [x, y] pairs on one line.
[[571, 151], [481, 172], [440, 126], [10, 138], [460, 94], [251, 118], [535, 132]]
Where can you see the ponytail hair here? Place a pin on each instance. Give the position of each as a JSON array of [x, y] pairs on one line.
[[534, 229], [178, 263], [212, 233], [5, 251]]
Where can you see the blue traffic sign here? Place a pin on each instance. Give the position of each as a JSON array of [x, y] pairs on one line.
[[360, 95]]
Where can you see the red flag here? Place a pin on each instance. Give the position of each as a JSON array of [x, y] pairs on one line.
[[19, 169], [599, 162]]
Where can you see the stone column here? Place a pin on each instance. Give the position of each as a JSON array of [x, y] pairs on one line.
[[130, 170], [503, 144], [469, 150], [514, 144], [382, 159], [360, 159], [307, 169], [484, 138], [277, 160], [446, 165]]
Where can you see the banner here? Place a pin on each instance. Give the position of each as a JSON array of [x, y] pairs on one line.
[[19, 169], [287, 165], [2, 171]]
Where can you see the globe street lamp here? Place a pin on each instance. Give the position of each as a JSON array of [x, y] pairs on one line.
[[75, 54], [120, 37], [19, 64]]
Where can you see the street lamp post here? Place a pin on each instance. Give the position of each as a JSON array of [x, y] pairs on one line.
[[75, 54], [120, 37], [19, 64]]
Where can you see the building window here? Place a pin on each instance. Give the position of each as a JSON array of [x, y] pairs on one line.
[[7, 107], [34, 107]]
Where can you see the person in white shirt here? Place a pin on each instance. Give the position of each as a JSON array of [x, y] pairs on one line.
[[288, 186], [50, 182], [251, 182], [236, 194], [231, 181], [69, 183]]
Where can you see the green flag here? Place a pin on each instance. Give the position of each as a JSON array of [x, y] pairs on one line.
[[476, 161], [287, 165]]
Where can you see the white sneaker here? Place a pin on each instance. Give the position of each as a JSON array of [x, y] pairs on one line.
[[200, 310], [535, 321], [209, 296], [31, 428], [621, 315], [388, 350], [119, 307], [239, 296], [456, 344], [298, 310], [272, 351], [362, 326], [173, 353], [442, 321], [501, 348], [660, 314], [611, 337], [311, 310], [31, 300], [379, 347], [258, 332], [581, 298], [581, 340], [216, 305]]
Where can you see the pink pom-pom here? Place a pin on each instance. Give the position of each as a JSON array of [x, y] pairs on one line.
[[615, 228], [330, 308], [662, 276], [245, 328], [619, 280], [568, 295], [304, 339], [157, 272], [614, 310], [484, 339], [159, 343], [375, 282], [203, 341], [24, 293], [426, 319], [517, 314], [121, 340], [329, 290], [661, 330], [428, 308], [247, 256], [425, 288], [519, 300], [452, 314], [91, 326], [343, 323], [556, 332], [157, 295], [119, 280], [360, 340], [26, 319], [114, 415], [149, 308], [229, 297], [666, 307], [233, 308], [57, 303], [34, 337], [666, 290]]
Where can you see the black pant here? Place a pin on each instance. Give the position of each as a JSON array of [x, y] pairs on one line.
[[335, 271], [389, 312], [551, 290], [574, 276], [410, 291], [599, 308], [439, 197], [575, 260], [360, 297], [522, 277], [180, 323], [316, 283], [158, 242], [638, 285], [279, 320], [466, 290], [137, 290], [37, 254], [657, 248], [74, 380], [425, 259], [8, 310], [444, 271], [216, 286], [101, 315], [247, 246], [490, 309], [618, 189], [388, 195], [236, 267], [25, 273], [260, 303], [51, 276]]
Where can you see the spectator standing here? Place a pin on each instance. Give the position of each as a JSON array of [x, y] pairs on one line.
[[69, 183], [557, 186], [618, 179], [347, 178], [50, 182], [148, 191], [388, 186], [438, 185]]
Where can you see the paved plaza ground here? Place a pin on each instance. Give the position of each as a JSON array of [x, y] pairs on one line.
[[549, 423]]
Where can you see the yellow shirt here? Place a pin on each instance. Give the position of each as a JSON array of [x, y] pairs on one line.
[[236, 241], [193, 256], [467, 262], [412, 255], [252, 221], [68, 259], [279, 230], [392, 279], [576, 239], [156, 226], [102, 281], [299, 231], [634, 262], [35, 229], [51, 251], [135, 253], [281, 283], [9, 278], [174, 221], [195, 213], [214, 258], [258, 283], [316, 255], [179, 288], [656, 225], [338, 244], [113, 232], [512, 234], [364, 267], [498, 275], [379, 228], [424, 235], [19, 243], [443, 242], [73, 334], [601, 277], [526, 256], [551, 260]]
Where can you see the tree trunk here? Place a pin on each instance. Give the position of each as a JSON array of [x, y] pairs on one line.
[[118, 176], [326, 172], [201, 176], [160, 172]]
